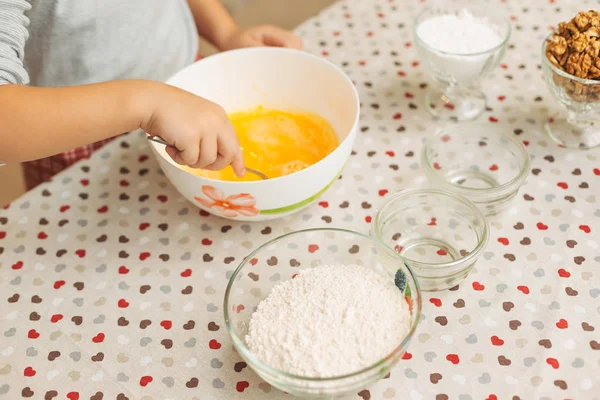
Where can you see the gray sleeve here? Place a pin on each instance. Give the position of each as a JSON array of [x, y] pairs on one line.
[[13, 34]]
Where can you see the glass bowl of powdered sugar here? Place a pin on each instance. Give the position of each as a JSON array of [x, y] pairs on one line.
[[322, 312], [458, 46]]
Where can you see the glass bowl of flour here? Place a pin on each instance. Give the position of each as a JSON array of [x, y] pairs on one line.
[[322, 312], [458, 47]]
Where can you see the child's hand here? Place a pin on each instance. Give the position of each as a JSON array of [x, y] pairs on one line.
[[198, 129], [265, 35]]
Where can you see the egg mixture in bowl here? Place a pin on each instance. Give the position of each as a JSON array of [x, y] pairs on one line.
[[277, 143], [296, 115]]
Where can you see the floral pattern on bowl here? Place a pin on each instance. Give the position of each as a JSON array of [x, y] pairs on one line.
[[230, 206]]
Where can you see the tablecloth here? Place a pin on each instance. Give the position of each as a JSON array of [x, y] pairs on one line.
[[112, 284]]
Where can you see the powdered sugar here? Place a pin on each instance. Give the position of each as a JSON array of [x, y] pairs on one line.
[[329, 321], [460, 33]]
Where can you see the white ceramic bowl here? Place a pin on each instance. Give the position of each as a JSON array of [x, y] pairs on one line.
[[274, 78]]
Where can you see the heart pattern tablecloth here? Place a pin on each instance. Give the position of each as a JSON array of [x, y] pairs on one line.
[[112, 284]]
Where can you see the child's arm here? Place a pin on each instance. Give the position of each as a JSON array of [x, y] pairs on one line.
[[216, 25], [39, 122]]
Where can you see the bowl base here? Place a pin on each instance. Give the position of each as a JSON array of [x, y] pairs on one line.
[[455, 104], [473, 180], [582, 136], [428, 250]]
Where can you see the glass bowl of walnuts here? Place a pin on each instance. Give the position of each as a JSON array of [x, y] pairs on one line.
[[571, 66]]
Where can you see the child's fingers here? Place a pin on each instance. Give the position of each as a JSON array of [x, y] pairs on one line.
[[208, 152], [238, 164], [188, 156]]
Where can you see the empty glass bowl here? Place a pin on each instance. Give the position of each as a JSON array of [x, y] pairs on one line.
[[581, 98], [479, 162], [459, 95], [441, 235], [280, 259]]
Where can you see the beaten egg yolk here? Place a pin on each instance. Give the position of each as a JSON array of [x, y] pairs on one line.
[[277, 143]]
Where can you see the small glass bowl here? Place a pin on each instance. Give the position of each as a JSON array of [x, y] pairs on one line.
[[280, 259], [581, 98], [478, 162], [459, 96], [441, 235]]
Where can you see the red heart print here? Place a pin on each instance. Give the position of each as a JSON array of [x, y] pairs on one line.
[[17, 265], [442, 252], [562, 324], [436, 166], [123, 270], [435, 302], [324, 53], [123, 303], [496, 341], [407, 356], [84, 182], [324, 204], [206, 242], [362, 63], [478, 286], [29, 372], [124, 183], [401, 73], [187, 273], [103, 209], [241, 386], [73, 396], [553, 362], [493, 119], [397, 116], [585, 228], [33, 334], [597, 171], [142, 158], [64, 209], [453, 358], [541, 226], [3, 235], [369, 34], [144, 256], [166, 324], [253, 261], [80, 253], [415, 64], [504, 241], [563, 273], [295, 275], [523, 289], [501, 98], [144, 226], [313, 247], [56, 317], [433, 222], [409, 95], [383, 192], [240, 308], [504, 66], [145, 380], [398, 248], [99, 338], [368, 219], [563, 185], [493, 167], [162, 198], [390, 153], [492, 397], [526, 143], [41, 236], [214, 345], [58, 284]]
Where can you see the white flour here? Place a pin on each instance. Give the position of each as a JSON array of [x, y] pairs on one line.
[[458, 34], [329, 321], [455, 46]]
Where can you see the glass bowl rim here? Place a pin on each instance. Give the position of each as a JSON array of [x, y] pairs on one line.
[[255, 362], [505, 188], [559, 71], [420, 42], [473, 255]]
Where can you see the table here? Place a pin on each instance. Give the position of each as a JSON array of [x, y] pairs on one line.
[[112, 284]]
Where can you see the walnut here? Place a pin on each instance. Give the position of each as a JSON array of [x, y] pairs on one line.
[[582, 20], [557, 46]]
